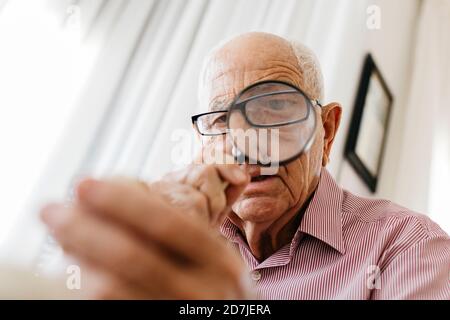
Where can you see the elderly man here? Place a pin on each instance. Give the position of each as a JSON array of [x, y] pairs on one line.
[[293, 234]]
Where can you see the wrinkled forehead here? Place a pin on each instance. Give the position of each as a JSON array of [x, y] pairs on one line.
[[229, 73], [262, 89]]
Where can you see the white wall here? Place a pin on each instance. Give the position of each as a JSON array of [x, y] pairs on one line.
[[392, 48]]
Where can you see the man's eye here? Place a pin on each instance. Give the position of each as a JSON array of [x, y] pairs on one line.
[[277, 104], [220, 120]]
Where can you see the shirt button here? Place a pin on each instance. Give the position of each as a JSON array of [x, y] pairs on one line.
[[256, 275]]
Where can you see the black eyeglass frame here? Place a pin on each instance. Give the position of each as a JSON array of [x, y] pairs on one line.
[[195, 123]]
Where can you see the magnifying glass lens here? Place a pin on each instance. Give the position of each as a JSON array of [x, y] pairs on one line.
[[271, 123]]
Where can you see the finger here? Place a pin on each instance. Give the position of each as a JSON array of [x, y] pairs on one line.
[[207, 180], [185, 197], [232, 194], [234, 174], [106, 246], [100, 284], [148, 214], [231, 173], [234, 191], [116, 179]]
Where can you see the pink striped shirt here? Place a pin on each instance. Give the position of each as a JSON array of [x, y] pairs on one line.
[[348, 247]]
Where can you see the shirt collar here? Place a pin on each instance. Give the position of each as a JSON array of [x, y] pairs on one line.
[[323, 217], [321, 220]]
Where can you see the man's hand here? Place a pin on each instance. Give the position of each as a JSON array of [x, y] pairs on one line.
[[206, 191], [132, 244]]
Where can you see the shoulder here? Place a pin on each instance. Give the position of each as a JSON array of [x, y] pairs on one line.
[[395, 225]]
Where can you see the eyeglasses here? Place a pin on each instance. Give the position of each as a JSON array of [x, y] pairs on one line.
[[269, 122], [265, 104]]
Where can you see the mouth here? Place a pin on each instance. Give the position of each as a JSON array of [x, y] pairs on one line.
[[256, 176], [261, 185], [260, 178]]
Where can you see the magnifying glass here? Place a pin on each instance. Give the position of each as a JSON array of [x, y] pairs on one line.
[[271, 123]]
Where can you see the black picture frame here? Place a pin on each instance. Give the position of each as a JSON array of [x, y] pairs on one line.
[[365, 146]]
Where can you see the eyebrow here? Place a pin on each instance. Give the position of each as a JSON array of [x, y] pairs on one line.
[[219, 105]]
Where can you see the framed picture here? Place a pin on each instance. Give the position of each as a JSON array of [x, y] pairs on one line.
[[369, 125]]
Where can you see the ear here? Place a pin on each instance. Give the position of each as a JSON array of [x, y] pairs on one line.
[[331, 118]]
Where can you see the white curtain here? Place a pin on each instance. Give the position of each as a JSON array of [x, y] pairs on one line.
[[424, 177]]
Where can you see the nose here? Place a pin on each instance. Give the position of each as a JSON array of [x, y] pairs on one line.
[[217, 150]]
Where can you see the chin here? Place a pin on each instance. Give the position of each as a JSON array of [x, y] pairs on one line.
[[260, 208]]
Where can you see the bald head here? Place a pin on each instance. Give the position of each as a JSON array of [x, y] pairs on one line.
[[256, 56]]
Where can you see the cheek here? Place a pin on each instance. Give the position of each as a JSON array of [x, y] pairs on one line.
[[300, 174], [295, 176]]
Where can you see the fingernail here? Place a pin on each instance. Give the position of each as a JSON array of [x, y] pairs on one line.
[[52, 213], [75, 184], [87, 188], [240, 175]]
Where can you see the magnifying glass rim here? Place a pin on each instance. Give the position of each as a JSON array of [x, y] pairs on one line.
[[308, 144]]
